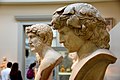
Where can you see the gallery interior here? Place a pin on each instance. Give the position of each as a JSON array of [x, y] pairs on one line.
[[15, 16]]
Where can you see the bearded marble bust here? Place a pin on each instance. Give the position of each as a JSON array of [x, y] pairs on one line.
[[40, 38], [83, 30]]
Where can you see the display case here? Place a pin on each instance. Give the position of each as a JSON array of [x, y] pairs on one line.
[[64, 68]]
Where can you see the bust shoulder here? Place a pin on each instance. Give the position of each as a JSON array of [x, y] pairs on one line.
[[94, 66]]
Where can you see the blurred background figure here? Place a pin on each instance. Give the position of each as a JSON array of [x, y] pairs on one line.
[[31, 71], [5, 72], [15, 73]]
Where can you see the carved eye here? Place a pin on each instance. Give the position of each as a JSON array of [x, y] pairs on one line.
[[31, 36]]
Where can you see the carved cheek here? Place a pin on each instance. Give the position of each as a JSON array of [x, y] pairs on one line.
[[35, 41]]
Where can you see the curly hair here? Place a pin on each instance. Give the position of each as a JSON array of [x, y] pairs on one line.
[[42, 31], [85, 21]]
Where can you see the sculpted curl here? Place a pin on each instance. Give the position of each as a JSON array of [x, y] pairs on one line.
[[41, 30], [85, 21]]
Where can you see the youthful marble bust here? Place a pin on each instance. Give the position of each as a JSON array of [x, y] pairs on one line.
[[40, 37], [82, 30]]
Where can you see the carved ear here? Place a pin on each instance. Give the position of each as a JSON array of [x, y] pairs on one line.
[[45, 39]]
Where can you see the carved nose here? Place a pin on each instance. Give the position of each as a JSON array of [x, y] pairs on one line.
[[29, 43]]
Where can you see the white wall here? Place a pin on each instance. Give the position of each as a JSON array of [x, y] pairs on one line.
[[114, 70], [109, 9]]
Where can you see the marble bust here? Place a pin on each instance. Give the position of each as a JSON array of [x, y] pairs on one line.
[[40, 38], [83, 30], [74, 58], [3, 64]]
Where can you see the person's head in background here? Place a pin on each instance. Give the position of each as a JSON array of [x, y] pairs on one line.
[[9, 64], [32, 65], [15, 67], [14, 70]]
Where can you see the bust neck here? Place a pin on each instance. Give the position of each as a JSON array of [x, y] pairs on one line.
[[42, 53], [86, 50]]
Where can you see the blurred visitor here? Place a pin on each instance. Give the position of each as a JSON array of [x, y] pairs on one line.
[[15, 73], [31, 71], [5, 72]]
